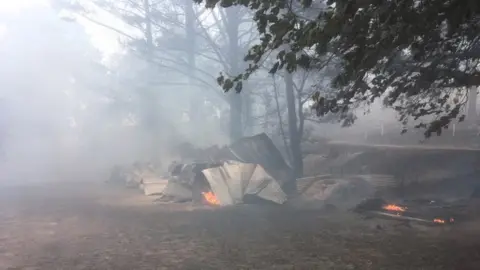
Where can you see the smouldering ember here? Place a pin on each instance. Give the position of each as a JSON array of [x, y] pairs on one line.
[[443, 221], [438, 220], [211, 198], [395, 208]]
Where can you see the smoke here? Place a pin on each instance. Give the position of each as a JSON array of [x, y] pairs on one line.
[[65, 116]]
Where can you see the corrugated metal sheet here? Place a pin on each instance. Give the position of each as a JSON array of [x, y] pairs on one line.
[[232, 181], [260, 149]]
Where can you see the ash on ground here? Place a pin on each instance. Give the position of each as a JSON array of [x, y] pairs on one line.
[[99, 227]]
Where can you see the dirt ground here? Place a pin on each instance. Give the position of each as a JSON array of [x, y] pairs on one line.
[[93, 226]]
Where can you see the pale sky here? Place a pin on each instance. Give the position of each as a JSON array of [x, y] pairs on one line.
[[17, 5], [102, 38]]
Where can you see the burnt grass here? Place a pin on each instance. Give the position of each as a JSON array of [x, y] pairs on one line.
[[93, 226]]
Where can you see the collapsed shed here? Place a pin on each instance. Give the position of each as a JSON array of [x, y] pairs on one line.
[[234, 182], [227, 183], [252, 167]]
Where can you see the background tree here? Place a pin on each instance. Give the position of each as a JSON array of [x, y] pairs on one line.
[[187, 41], [191, 44], [418, 56]]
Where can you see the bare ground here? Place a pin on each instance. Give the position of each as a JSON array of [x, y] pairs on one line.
[[92, 226]]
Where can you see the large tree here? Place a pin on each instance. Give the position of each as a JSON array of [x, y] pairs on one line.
[[419, 56]]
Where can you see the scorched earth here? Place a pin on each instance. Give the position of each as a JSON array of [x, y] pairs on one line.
[[94, 226]]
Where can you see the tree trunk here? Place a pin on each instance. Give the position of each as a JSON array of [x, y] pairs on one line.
[[235, 99], [149, 95], [472, 105], [247, 109], [295, 140], [268, 108], [190, 34], [236, 129], [148, 27]]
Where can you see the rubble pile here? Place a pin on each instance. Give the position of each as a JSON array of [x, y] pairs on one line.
[[371, 181], [234, 174]]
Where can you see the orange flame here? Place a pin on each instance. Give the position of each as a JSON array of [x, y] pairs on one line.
[[440, 221], [395, 208], [210, 198]]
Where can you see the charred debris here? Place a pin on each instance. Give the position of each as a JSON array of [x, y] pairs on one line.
[[407, 184]]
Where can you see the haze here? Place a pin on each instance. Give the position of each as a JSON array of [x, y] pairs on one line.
[[69, 87], [111, 116]]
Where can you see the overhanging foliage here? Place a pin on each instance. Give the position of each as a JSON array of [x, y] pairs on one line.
[[420, 56]]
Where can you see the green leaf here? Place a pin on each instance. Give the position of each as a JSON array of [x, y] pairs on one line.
[[304, 61], [307, 3], [291, 60], [238, 87], [221, 79], [274, 69], [226, 3], [227, 85]]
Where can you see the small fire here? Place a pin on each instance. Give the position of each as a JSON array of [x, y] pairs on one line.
[[395, 208], [443, 221], [211, 198], [438, 220]]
